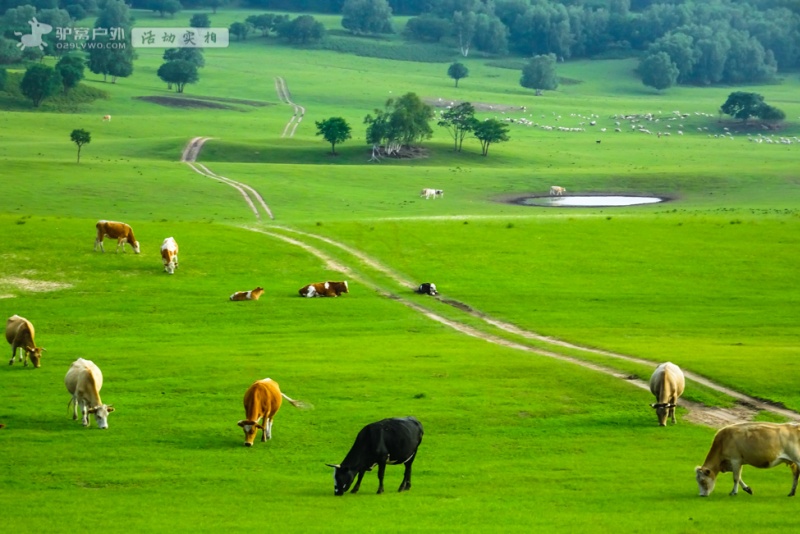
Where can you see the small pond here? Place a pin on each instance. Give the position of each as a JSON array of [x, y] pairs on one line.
[[588, 201]]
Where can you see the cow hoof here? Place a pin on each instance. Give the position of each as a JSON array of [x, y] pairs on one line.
[[748, 490]]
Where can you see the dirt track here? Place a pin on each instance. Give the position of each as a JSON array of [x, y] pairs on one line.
[[745, 409]]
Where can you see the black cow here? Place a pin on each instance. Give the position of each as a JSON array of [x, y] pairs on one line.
[[390, 441], [427, 289]]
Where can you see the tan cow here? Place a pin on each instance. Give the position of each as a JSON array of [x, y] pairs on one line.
[[557, 191], [253, 294], [324, 289], [20, 334], [666, 383], [122, 232], [84, 381], [761, 445], [169, 254], [262, 400]]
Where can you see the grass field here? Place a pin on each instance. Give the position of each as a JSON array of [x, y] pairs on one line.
[[513, 441]]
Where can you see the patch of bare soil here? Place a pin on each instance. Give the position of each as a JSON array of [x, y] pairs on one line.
[[200, 103], [717, 417], [34, 286]]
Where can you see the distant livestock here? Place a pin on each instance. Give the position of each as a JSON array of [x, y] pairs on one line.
[[169, 254], [761, 445], [431, 193], [20, 335], [666, 383], [122, 232], [427, 288], [253, 294], [84, 380], [262, 400], [390, 441], [557, 191], [106, 118], [324, 289]]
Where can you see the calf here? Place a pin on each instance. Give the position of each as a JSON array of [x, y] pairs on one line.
[[169, 254], [557, 191], [253, 294], [666, 383], [20, 334], [761, 445], [84, 381], [262, 400], [390, 441], [122, 232], [427, 288], [324, 289]]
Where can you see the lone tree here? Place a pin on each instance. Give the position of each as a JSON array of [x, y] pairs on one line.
[[334, 130], [71, 70], [457, 71], [80, 138], [658, 71], [178, 72], [490, 131], [540, 74], [459, 121], [39, 82], [742, 105]]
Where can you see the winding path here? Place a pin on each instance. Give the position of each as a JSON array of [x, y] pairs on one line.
[[299, 111]]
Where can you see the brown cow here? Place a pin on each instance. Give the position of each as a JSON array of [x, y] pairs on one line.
[[324, 289], [122, 232], [262, 400], [20, 334], [761, 445], [253, 294], [169, 254], [666, 383]]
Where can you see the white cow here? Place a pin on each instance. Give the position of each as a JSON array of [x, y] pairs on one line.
[[667, 384], [431, 193], [106, 118], [557, 191], [169, 254], [84, 381]]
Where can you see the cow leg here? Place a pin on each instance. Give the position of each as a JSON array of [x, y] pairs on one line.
[[381, 469], [121, 243], [737, 479], [263, 429], [795, 475], [358, 482], [671, 414], [74, 403], [406, 484], [13, 353], [85, 413], [99, 241], [268, 427], [24, 356]]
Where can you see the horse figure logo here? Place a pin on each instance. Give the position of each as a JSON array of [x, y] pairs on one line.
[[35, 37]]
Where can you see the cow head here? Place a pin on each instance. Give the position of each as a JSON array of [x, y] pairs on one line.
[[136, 247], [342, 478], [35, 355], [706, 479], [250, 428], [101, 415], [662, 411]]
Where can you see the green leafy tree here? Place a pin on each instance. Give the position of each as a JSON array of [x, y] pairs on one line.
[[9, 51], [427, 28], [240, 30], [39, 82], [216, 4], [658, 71], [490, 131], [459, 121], [178, 72], [164, 7], [200, 20], [192, 55], [263, 23], [334, 130], [71, 68], [80, 138], [771, 114], [3, 78], [402, 122], [540, 74], [742, 105], [367, 16], [457, 71], [303, 29], [115, 61], [464, 29]]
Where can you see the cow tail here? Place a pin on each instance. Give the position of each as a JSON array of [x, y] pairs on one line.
[[296, 403], [69, 404]]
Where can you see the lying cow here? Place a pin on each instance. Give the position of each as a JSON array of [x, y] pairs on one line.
[[253, 294], [20, 335], [666, 383], [431, 193], [427, 289], [169, 254], [324, 289], [390, 441], [122, 232], [761, 445], [84, 380], [262, 400], [557, 191]]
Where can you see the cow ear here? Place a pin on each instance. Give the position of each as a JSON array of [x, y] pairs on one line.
[[652, 405], [92, 410], [110, 408], [241, 423], [335, 466]]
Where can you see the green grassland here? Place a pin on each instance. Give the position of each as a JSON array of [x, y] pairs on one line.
[[514, 441]]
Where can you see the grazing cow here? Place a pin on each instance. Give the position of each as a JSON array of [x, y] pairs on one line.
[[84, 380], [20, 334], [431, 193], [324, 289], [390, 441], [761, 445], [427, 288], [115, 230], [253, 294], [262, 400], [557, 191], [169, 254], [106, 118], [666, 383]]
